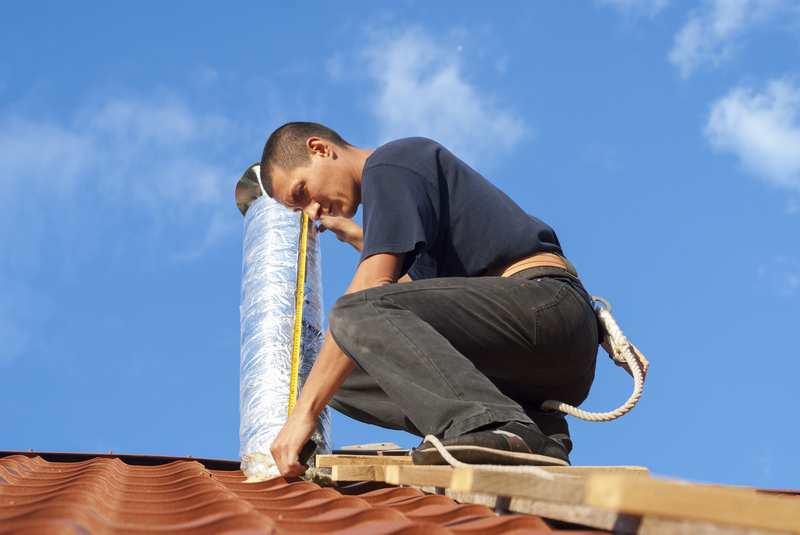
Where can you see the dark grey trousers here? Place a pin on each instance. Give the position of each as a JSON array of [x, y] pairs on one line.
[[447, 356]]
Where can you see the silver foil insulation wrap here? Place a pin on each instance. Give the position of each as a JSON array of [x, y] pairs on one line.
[[269, 283]]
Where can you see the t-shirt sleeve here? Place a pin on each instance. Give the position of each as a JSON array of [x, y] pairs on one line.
[[400, 213]]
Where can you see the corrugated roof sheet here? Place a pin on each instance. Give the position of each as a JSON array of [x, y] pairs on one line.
[[120, 495]]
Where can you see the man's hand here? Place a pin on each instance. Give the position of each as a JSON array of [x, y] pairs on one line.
[[345, 229], [286, 447]]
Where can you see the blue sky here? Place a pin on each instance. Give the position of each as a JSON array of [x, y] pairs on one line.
[[661, 139]]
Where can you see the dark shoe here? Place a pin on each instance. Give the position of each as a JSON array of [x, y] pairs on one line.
[[564, 440], [553, 424], [512, 443]]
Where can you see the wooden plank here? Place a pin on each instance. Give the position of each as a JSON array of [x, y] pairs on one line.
[[573, 513], [329, 461], [374, 447], [621, 523], [421, 476], [347, 472], [378, 448], [519, 484], [645, 497], [586, 470], [506, 484], [431, 475], [489, 500]]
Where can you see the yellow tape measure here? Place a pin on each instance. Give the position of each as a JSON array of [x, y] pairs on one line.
[[298, 314]]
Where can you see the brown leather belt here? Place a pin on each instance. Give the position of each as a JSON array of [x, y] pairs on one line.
[[533, 261]]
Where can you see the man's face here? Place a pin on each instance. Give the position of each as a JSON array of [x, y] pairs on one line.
[[324, 187]]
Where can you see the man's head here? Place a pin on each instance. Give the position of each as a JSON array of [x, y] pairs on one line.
[[306, 166], [287, 148]]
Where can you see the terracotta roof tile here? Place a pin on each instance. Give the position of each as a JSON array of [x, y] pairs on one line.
[[120, 495]]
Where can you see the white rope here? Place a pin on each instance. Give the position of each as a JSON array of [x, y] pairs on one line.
[[515, 469], [620, 353]]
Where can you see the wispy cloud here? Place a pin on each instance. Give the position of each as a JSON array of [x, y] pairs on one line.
[[762, 129], [422, 90], [782, 276], [711, 34], [22, 310], [156, 152], [125, 178], [647, 8], [154, 161]]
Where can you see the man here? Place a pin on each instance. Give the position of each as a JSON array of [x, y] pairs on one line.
[[490, 321]]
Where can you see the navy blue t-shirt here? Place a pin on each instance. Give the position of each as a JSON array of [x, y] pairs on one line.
[[419, 199]]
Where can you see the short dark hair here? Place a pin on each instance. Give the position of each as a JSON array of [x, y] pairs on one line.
[[286, 148]]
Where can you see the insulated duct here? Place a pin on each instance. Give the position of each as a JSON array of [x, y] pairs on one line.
[[273, 240]]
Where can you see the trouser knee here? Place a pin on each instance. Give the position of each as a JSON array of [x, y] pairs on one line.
[[345, 313]]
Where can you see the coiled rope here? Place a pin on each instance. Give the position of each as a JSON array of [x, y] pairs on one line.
[[621, 354]]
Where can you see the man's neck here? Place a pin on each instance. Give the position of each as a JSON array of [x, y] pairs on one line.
[[356, 159]]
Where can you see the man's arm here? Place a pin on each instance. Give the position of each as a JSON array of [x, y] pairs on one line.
[[330, 370], [348, 231]]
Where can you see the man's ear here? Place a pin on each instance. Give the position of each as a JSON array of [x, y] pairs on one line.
[[318, 147]]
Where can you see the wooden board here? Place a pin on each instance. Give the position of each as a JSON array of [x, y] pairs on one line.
[[516, 484], [378, 448], [375, 446], [572, 513], [354, 472], [734, 506], [329, 461], [586, 470], [495, 482], [621, 523], [489, 489], [432, 475], [421, 476], [620, 499]]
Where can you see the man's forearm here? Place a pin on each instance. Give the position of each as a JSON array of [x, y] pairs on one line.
[[327, 375], [346, 230], [330, 370], [332, 366]]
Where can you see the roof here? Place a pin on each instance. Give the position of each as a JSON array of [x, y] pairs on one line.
[[126, 494], [64, 493]]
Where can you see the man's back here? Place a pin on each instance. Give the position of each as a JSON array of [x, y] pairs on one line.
[[421, 199]]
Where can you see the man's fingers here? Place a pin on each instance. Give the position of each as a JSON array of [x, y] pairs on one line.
[[295, 469], [288, 466]]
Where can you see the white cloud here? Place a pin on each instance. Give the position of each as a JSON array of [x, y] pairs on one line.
[[155, 158], [128, 145], [122, 178], [220, 228], [782, 276], [762, 129], [422, 91], [648, 8], [41, 155], [710, 35]]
